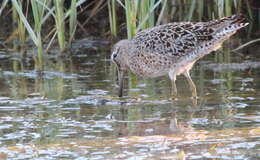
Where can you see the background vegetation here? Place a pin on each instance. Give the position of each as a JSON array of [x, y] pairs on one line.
[[49, 22]]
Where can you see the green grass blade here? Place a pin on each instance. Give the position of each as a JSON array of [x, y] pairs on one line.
[[36, 15], [220, 5], [250, 13], [201, 9], [148, 14], [191, 10], [59, 19], [3, 6], [27, 25], [112, 17], [79, 2], [46, 8], [131, 12], [228, 7], [162, 12], [72, 19], [121, 4], [152, 15]]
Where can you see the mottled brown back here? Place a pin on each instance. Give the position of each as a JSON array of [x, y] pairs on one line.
[[177, 40]]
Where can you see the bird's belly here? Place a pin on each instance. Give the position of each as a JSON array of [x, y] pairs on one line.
[[149, 66], [182, 67], [148, 72]]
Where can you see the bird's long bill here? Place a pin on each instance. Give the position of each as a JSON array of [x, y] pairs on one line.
[[121, 82]]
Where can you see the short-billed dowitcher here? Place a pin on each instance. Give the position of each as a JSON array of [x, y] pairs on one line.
[[172, 48]]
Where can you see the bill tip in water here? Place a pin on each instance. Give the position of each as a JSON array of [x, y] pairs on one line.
[[120, 94]]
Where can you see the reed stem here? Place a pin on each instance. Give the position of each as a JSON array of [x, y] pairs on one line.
[[59, 20], [72, 20], [112, 17]]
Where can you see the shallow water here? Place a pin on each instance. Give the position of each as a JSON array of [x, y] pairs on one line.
[[71, 111]]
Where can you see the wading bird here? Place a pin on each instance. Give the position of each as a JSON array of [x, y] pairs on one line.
[[172, 49]]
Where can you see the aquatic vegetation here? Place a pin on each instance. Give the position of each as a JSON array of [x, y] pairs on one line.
[[72, 20], [112, 17], [42, 12], [59, 22], [70, 110], [140, 14], [47, 22]]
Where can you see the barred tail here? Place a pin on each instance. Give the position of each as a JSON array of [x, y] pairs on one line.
[[235, 21], [219, 31], [227, 26]]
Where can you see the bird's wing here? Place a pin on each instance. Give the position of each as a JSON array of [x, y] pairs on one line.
[[175, 40], [179, 40]]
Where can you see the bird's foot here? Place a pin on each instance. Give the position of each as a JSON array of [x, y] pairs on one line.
[[174, 98], [194, 100]]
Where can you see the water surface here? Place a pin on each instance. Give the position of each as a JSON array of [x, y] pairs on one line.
[[71, 111]]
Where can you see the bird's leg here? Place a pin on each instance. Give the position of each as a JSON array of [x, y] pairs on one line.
[[174, 89], [121, 82], [191, 84], [172, 76], [173, 123]]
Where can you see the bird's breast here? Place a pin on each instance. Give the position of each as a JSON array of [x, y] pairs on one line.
[[149, 65]]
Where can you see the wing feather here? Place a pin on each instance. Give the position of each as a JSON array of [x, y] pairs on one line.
[[174, 39]]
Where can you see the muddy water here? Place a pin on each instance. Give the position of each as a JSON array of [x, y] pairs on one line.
[[71, 110]]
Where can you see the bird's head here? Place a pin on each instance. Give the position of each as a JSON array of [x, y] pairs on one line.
[[120, 54]]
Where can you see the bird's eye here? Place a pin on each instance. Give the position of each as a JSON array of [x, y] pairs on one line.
[[114, 55]]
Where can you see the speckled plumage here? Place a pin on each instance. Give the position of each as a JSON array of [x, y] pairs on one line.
[[172, 48]]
